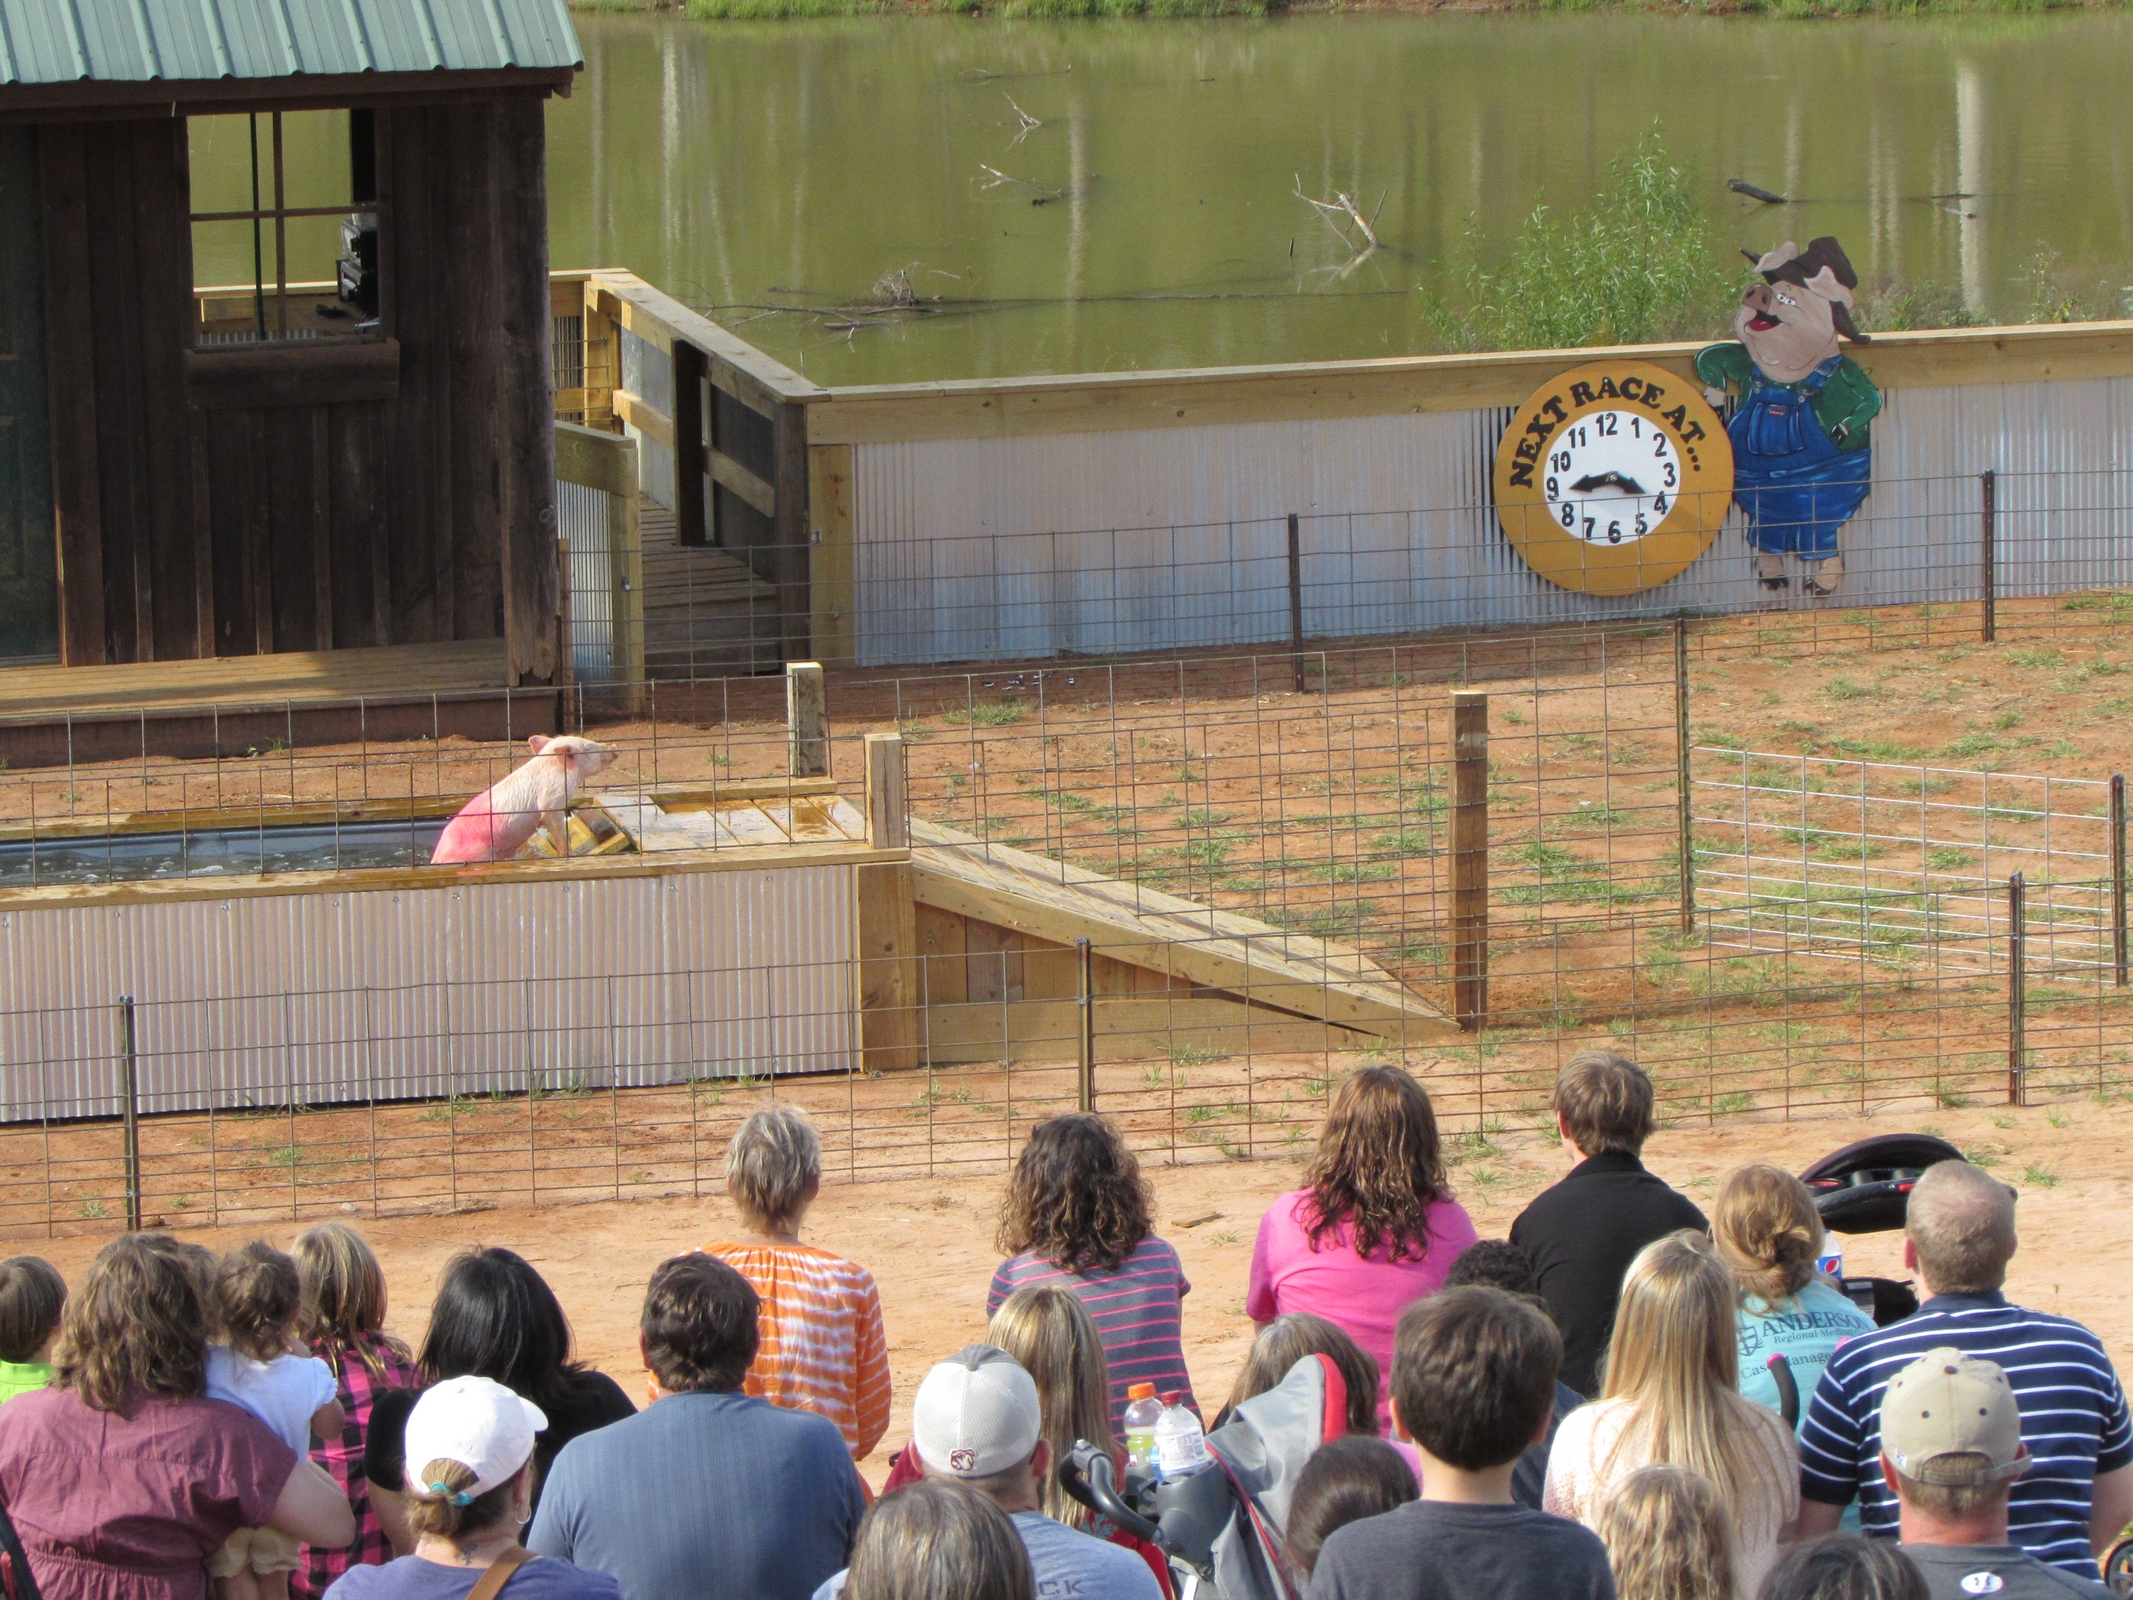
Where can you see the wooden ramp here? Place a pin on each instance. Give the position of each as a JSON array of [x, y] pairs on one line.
[[1161, 933], [706, 614]]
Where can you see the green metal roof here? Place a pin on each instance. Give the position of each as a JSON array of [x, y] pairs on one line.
[[142, 41]]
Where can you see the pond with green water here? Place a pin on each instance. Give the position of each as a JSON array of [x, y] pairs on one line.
[[791, 175]]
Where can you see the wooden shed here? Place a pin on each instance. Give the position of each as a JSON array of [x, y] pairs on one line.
[[212, 445]]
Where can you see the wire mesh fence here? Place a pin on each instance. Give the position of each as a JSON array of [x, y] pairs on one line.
[[1846, 940]]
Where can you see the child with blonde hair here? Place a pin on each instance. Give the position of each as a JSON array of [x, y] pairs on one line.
[[1667, 1537], [1670, 1397], [341, 1317]]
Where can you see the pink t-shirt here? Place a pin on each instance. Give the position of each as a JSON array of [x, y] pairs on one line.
[[116, 1507], [1363, 1297]]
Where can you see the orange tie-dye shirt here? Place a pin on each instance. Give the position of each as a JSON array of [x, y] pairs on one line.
[[821, 1346]]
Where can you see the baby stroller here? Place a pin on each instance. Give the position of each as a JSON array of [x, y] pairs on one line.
[[1221, 1528]]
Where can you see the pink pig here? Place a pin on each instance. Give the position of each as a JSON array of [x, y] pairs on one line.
[[497, 824]]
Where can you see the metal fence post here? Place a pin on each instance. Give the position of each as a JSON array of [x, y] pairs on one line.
[[2118, 879], [1988, 576], [130, 1108], [1683, 846], [2017, 987], [1470, 858], [1296, 600], [1085, 1004]]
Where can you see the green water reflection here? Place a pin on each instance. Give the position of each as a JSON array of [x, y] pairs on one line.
[[748, 164]]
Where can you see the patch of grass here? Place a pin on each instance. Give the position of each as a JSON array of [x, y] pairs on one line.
[[1972, 745], [2039, 1176], [1981, 1157], [2035, 658], [91, 1209], [1949, 859], [1845, 689], [988, 714], [1405, 842], [1726, 1105]]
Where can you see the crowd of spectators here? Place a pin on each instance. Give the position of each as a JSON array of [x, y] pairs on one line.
[[1589, 1409]]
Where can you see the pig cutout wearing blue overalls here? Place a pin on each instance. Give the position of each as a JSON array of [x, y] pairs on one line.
[[1795, 487]]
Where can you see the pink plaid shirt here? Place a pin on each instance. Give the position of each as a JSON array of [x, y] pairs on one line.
[[362, 1381]]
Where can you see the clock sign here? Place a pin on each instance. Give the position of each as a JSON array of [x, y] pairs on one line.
[[1613, 477]]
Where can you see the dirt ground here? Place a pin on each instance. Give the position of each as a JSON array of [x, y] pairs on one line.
[[929, 1242]]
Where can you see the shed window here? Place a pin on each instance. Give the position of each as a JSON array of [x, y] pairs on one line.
[[285, 222]]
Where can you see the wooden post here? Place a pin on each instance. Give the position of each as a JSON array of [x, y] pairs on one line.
[[2118, 879], [2017, 987], [790, 530], [1085, 1003], [130, 1109], [890, 1024], [1684, 845], [831, 592], [1988, 575], [887, 802], [807, 720], [692, 522], [1470, 858], [1296, 601]]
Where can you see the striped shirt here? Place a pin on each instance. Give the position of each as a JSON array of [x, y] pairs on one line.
[[2074, 1418], [821, 1346], [368, 1368], [1135, 1310]]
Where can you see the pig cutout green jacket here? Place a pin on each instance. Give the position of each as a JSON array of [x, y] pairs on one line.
[[1848, 399]]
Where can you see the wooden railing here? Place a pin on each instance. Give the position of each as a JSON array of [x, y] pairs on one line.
[[731, 421]]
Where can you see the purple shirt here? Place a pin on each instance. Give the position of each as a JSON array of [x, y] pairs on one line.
[[1362, 1296], [1135, 1310], [112, 1507]]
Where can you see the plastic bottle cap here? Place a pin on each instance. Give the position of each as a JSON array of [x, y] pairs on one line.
[[1140, 1391], [1176, 1397]]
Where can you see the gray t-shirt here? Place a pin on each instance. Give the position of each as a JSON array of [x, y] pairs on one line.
[[705, 1497], [1432, 1550], [1997, 1572], [1068, 1564]]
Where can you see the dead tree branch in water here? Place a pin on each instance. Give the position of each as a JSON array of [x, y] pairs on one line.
[[1342, 206], [1029, 123], [1039, 194]]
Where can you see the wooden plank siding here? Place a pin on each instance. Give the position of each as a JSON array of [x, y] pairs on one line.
[[282, 522]]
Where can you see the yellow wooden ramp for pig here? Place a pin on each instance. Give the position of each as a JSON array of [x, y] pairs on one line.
[[1181, 939]]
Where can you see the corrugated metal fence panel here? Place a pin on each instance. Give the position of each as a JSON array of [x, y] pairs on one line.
[[1165, 539], [395, 994], [648, 373], [582, 520]]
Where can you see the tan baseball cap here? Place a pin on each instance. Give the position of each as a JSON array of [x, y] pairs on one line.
[[1948, 1404]]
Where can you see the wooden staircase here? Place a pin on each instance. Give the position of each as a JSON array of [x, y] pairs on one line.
[[706, 614]]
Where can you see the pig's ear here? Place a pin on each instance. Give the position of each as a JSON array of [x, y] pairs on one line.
[[1830, 287], [536, 742]]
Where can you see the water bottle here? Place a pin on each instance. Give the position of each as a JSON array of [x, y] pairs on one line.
[[1180, 1443], [1142, 1410]]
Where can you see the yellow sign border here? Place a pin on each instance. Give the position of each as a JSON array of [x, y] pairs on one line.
[[1668, 401]]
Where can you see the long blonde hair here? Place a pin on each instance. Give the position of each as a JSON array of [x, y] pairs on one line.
[[1051, 1333], [1767, 1231], [341, 1309], [1675, 1358], [1668, 1536]]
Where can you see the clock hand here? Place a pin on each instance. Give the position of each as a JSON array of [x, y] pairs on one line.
[[1606, 480]]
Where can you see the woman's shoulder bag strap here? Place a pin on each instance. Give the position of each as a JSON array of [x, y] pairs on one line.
[[499, 1573]]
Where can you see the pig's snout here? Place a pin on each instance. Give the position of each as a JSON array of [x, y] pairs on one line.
[[1762, 303]]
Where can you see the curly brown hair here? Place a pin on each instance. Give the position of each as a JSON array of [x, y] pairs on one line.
[[136, 1326], [1077, 1197], [1379, 1166]]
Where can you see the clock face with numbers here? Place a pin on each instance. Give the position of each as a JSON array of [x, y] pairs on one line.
[[1614, 477]]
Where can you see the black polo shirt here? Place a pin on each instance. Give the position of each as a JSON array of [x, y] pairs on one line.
[[1582, 1235]]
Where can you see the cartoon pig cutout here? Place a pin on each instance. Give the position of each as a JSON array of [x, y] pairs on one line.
[[1802, 459], [501, 821]]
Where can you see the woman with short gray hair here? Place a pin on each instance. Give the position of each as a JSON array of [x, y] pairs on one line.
[[822, 1346]]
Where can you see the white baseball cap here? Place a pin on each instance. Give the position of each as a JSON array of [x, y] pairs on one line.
[[976, 1414], [477, 1423]]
